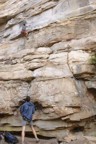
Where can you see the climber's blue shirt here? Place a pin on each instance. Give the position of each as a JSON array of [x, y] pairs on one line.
[[27, 110]]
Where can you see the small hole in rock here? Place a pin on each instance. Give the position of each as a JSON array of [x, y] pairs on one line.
[[77, 129]]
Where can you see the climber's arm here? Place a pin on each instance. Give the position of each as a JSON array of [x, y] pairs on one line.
[[17, 111]]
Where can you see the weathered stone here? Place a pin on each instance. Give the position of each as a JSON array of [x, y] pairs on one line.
[[51, 65], [54, 95], [86, 43], [80, 140], [11, 92], [51, 125], [91, 84], [60, 46], [82, 115], [91, 138], [35, 64], [15, 72], [83, 71], [60, 58], [43, 50], [80, 57], [33, 141], [57, 14], [53, 72], [79, 64], [32, 57]]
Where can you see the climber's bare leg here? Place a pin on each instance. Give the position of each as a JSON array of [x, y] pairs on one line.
[[23, 134], [34, 132]]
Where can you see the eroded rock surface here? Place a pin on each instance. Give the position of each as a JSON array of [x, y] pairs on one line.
[[33, 141], [52, 66]]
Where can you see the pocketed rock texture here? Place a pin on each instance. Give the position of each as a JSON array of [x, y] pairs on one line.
[[52, 66]]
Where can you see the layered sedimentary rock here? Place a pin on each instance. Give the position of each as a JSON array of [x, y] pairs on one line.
[[52, 66]]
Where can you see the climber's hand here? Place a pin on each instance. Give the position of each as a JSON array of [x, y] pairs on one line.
[[15, 113]]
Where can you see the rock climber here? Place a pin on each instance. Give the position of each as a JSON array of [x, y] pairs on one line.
[[27, 109], [24, 32]]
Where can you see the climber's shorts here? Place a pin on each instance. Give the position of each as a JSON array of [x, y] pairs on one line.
[[24, 122], [24, 33]]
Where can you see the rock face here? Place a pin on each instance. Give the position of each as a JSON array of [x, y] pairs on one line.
[[51, 65], [33, 141]]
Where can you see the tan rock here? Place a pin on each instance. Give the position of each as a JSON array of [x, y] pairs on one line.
[[70, 138], [60, 46], [61, 94], [91, 84], [61, 37], [11, 92], [15, 72], [82, 115], [43, 50], [79, 141], [60, 58], [35, 64], [31, 57], [83, 70], [85, 43], [53, 71], [79, 56], [91, 138], [33, 141]]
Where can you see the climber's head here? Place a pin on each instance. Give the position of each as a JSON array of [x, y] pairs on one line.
[[27, 99], [24, 23]]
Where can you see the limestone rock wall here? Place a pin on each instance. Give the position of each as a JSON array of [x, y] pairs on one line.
[[51, 65]]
